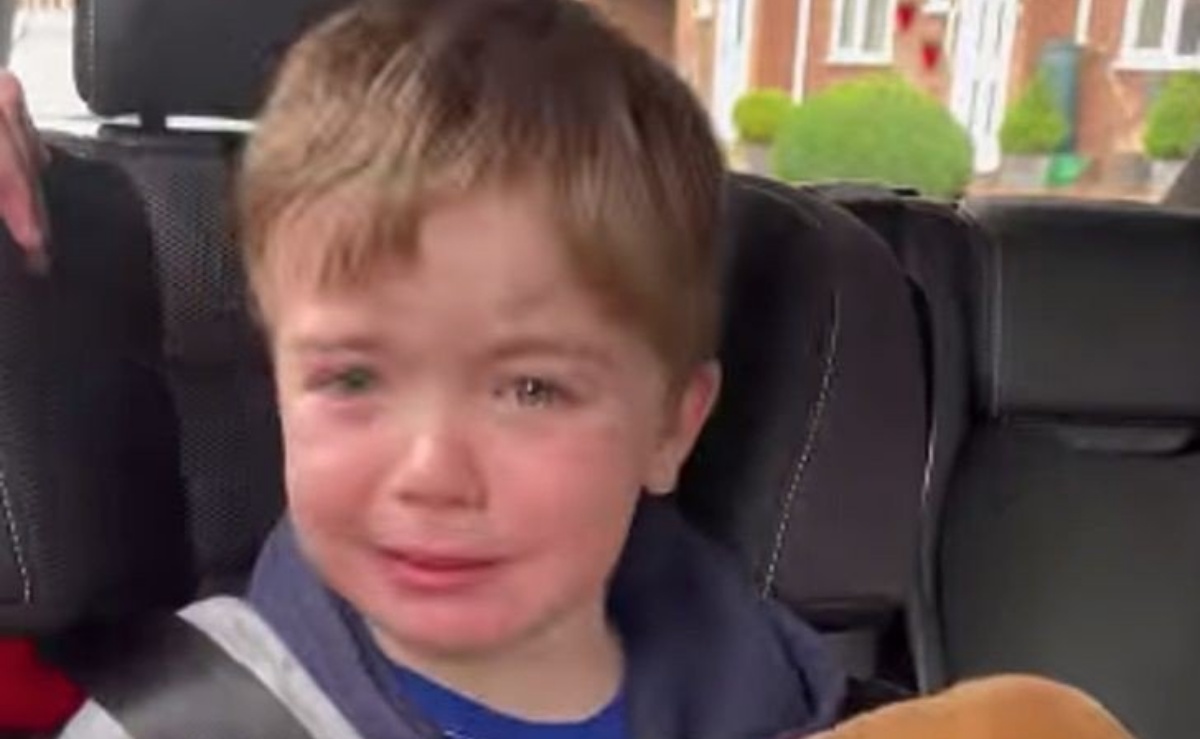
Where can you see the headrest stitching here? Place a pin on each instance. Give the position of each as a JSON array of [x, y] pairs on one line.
[[810, 443], [997, 321], [11, 524], [93, 80]]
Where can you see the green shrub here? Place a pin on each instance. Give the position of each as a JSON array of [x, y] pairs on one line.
[[758, 113], [1034, 123], [875, 128], [1173, 127]]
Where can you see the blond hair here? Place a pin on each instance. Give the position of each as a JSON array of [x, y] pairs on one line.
[[396, 103]]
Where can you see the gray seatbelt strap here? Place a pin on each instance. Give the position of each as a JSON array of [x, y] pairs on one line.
[[166, 679]]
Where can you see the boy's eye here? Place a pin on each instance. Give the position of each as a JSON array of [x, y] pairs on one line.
[[536, 392], [349, 381]]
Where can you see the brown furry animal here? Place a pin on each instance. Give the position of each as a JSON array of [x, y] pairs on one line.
[[1009, 707]]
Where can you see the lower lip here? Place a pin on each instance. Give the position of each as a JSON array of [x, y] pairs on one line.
[[436, 576]]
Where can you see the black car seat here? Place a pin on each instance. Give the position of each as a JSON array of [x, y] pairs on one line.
[[813, 464], [1066, 541], [92, 517], [89, 480], [1185, 192], [940, 247], [152, 60]]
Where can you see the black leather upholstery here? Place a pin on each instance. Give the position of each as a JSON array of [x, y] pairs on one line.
[[184, 57], [1068, 538], [941, 250], [92, 517], [812, 466], [1078, 325]]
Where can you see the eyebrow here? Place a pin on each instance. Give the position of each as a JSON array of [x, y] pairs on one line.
[[524, 346], [357, 343]]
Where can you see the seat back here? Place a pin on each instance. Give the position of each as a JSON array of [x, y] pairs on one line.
[[940, 248], [1068, 539], [91, 516], [215, 360], [812, 466], [214, 357]]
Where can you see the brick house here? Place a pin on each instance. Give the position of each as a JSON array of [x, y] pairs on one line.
[[973, 54], [649, 22]]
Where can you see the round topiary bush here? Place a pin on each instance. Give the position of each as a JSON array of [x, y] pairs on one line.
[[1034, 124], [758, 113], [1173, 126], [876, 128]]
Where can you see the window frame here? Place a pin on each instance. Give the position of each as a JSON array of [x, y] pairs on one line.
[[1163, 57], [938, 7], [857, 55]]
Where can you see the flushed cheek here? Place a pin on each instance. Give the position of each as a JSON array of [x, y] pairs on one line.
[[575, 491], [329, 475]]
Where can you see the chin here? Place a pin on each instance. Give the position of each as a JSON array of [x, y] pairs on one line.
[[455, 632]]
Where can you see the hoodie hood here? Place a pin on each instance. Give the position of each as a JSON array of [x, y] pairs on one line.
[[706, 658]]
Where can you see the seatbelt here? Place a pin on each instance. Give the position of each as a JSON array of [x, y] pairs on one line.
[[166, 679]]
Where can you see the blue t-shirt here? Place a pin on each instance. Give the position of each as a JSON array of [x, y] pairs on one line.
[[460, 717]]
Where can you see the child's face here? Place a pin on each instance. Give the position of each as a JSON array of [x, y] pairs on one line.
[[467, 436]]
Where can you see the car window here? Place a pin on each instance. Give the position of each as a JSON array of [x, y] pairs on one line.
[[41, 56], [1084, 98], [1078, 98]]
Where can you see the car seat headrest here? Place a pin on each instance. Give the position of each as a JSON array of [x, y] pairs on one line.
[[184, 57], [1091, 312]]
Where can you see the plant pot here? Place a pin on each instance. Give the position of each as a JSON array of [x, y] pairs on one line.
[[1164, 172], [1024, 171], [756, 158], [1125, 171]]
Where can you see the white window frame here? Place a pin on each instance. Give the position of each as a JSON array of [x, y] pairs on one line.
[[938, 7], [1163, 58], [857, 55], [803, 42]]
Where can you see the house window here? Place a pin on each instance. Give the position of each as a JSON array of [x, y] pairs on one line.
[[862, 31], [1162, 34]]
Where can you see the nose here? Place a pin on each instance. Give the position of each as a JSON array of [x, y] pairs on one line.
[[434, 467]]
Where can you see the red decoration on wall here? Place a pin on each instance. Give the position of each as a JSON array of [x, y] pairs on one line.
[[906, 13], [931, 55]]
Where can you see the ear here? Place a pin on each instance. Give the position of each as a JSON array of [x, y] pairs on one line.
[[687, 411]]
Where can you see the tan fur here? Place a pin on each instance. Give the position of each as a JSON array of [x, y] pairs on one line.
[[1008, 707]]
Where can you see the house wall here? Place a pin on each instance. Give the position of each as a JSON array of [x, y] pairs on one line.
[[695, 42], [820, 73], [1039, 22], [649, 22], [776, 25], [1112, 102], [907, 56]]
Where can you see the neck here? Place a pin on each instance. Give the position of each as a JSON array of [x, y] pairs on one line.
[[581, 657]]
